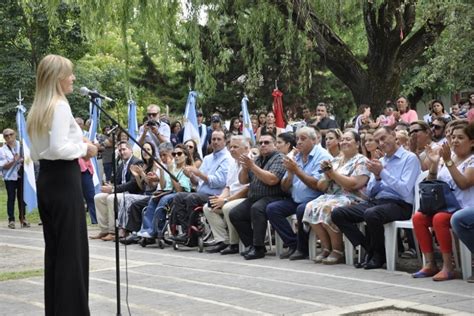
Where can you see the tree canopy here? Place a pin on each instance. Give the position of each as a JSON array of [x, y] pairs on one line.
[[341, 52]]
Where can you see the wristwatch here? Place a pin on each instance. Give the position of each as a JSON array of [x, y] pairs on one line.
[[225, 201], [449, 163]]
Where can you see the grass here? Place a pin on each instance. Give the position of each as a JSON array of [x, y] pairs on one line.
[[15, 275]]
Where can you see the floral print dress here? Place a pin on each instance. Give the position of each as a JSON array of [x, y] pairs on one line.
[[319, 210]]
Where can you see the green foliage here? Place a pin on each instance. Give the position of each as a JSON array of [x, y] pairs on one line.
[[25, 39]]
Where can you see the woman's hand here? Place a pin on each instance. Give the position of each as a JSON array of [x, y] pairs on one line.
[[432, 154], [445, 152], [91, 151]]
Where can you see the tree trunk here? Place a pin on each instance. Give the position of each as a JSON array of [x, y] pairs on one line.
[[391, 49]]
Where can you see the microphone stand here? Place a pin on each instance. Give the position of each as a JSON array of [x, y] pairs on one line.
[[115, 127]]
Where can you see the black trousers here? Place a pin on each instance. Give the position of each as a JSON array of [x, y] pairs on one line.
[[66, 259], [250, 220], [375, 213], [15, 191], [183, 205], [135, 214]]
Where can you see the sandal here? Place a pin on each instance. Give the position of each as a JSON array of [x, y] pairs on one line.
[[322, 255], [425, 273], [444, 276], [335, 257]]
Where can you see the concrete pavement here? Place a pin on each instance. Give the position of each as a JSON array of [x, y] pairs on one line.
[[168, 282]]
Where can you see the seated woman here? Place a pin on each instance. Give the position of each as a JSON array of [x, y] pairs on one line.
[[333, 137], [154, 216], [457, 169], [269, 126], [146, 183], [344, 180], [286, 143], [194, 153], [369, 147]]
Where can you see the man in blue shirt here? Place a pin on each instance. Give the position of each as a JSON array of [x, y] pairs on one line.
[[210, 178], [391, 193], [301, 179]]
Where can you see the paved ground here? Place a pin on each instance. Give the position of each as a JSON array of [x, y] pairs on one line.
[[168, 282]]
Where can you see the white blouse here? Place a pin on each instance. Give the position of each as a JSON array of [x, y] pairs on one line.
[[64, 141], [464, 197]]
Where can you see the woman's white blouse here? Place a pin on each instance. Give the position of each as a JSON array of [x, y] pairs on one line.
[[64, 141]]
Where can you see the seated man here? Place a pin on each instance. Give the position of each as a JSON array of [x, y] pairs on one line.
[[210, 179], [104, 201], [301, 179], [218, 209], [391, 193], [264, 175]]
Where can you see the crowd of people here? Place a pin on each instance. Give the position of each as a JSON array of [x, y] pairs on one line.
[[331, 177]]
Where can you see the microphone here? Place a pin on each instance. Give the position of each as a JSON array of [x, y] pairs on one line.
[[94, 94]]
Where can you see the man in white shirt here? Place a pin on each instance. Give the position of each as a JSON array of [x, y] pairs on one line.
[[218, 208], [154, 130], [11, 164]]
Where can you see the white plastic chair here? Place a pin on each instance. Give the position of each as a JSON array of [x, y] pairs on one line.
[[312, 244], [349, 249], [391, 229]]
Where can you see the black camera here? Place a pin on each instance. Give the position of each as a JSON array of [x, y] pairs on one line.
[[152, 123]]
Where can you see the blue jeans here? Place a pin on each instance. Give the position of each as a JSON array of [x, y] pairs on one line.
[[154, 216], [88, 191], [277, 213], [462, 223]]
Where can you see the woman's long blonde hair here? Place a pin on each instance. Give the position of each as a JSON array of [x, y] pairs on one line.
[[51, 71]]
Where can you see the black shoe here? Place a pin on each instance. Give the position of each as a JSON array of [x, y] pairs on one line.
[[376, 262], [246, 251], [255, 253], [288, 253], [230, 250], [146, 241], [132, 239], [363, 263], [217, 248], [180, 238], [298, 255]]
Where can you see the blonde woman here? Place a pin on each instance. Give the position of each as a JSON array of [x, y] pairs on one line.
[[57, 142]]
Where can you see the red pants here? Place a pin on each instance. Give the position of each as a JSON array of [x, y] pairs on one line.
[[441, 226]]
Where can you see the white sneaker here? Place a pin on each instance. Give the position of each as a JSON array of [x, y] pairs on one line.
[[11, 225], [143, 234]]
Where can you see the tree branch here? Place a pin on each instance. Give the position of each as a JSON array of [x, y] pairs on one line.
[[421, 40], [335, 53]]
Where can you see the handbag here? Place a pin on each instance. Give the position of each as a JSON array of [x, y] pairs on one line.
[[437, 196]]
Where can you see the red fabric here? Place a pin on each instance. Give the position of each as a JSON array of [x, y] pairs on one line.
[[278, 108], [86, 165], [441, 226]]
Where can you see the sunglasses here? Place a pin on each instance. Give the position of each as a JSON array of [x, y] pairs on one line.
[[437, 126], [265, 142], [415, 131], [178, 153], [152, 114]]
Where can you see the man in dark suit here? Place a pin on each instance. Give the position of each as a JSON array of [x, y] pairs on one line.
[[104, 201]]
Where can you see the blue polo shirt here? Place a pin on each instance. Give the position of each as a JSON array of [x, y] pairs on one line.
[[300, 192]]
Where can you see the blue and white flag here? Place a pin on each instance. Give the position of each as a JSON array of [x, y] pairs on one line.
[[92, 135], [247, 129], [29, 181], [132, 119], [191, 130]]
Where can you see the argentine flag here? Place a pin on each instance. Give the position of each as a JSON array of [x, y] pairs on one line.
[[190, 122], [247, 130], [29, 181], [94, 117]]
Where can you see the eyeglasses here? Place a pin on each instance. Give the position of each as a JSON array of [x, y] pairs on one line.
[[178, 153], [415, 131], [437, 126], [265, 142], [8, 135], [152, 114]]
